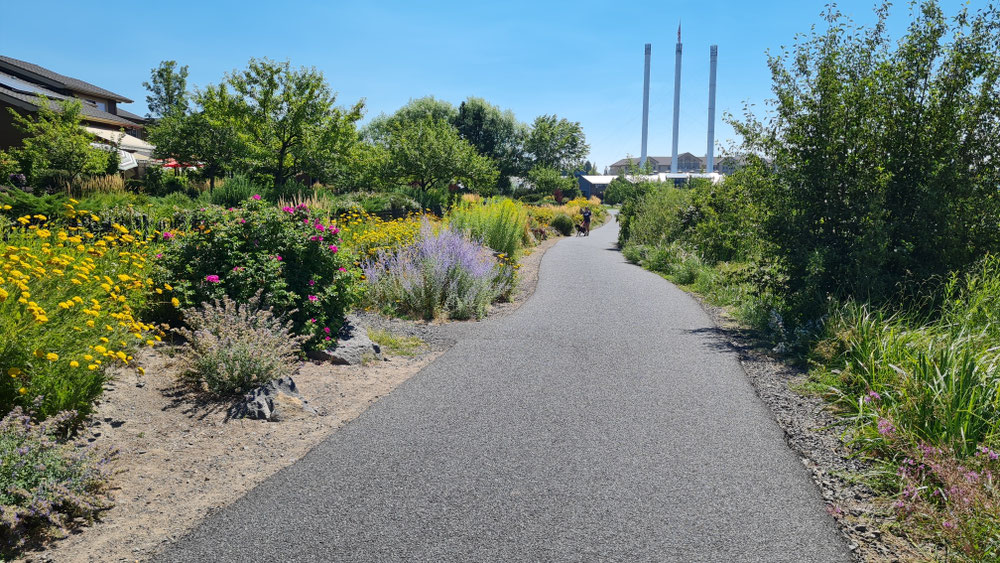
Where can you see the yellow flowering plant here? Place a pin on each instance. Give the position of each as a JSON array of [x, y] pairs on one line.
[[68, 301]]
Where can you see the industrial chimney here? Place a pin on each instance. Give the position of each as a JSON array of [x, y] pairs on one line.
[[645, 106], [709, 156], [677, 98]]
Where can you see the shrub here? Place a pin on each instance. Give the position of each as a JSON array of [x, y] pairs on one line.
[[68, 302], [235, 191], [369, 235], [232, 348], [45, 483], [52, 180], [562, 223], [500, 223], [291, 253], [444, 273]]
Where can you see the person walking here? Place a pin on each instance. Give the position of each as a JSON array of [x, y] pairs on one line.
[[586, 221]]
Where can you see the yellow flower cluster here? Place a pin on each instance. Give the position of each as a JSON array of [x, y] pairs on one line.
[[68, 297], [368, 234]]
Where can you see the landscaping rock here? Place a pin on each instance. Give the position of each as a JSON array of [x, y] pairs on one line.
[[277, 400], [353, 346]]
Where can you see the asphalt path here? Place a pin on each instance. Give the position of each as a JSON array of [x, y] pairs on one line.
[[603, 421]]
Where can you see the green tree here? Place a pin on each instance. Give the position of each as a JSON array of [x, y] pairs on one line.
[[495, 133], [554, 142], [167, 89], [429, 154], [191, 138], [880, 165], [285, 119], [54, 139], [550, 180]]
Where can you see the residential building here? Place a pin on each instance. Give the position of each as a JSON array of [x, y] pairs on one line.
[[22, 82]]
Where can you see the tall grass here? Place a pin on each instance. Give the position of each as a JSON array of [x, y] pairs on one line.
[[500, 223], [236, 191], [107, 184]]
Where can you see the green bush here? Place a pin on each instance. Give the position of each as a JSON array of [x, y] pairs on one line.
[[51, 180], [500, 223], [294, 255], [45, 483], [562, 223], [235, 191], [22, 203], [232, 348]]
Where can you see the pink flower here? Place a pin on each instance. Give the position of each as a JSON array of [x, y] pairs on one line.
[[277, 257], [312, 320], [312, 282], [256, 197], [327, 338], [238, 268], [335, 230], [168, 235], [287, 209], [316, 238], [242, 221], [159, 256], [326, 329], [341, 269], [313, 298], [333, 248], [212, 278], [320, 227], [885, 427]]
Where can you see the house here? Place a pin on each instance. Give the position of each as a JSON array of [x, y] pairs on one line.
[[22, 82], [686, 162]]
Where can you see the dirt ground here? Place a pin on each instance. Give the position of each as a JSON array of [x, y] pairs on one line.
[[181, 457]]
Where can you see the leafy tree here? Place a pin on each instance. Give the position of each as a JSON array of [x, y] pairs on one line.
[[881, 157], [429, 154], [190, 138], [415, 110], [556, 143], [549, 180], [167, 89], [494, 133], [54, 139], [285, 119]]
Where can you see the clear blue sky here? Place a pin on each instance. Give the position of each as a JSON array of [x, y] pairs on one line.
[[581, 60]]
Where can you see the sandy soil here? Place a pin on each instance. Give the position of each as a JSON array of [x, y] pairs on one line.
[[181, 457]]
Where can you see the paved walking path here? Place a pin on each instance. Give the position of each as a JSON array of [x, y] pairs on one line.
[[603, 421]]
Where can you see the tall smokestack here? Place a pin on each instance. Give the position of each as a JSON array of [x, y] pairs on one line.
[[677, 97], [645, 106], [709, 156]]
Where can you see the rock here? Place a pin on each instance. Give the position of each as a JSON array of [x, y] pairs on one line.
[[276, 400], [353, 346]]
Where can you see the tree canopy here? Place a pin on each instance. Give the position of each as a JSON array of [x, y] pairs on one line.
[[55, 140], [167, 89], [495, 133], [428, 153], [555, 142]]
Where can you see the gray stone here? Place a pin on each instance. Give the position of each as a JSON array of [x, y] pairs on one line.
[[353, 346], [276, 400]]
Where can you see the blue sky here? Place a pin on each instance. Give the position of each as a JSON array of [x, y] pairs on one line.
[[581, 60]]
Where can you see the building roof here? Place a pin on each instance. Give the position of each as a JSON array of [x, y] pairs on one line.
[[21, 95], [54, 79], [131, 116]]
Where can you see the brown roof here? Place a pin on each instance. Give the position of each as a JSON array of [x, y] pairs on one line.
[[57, 80], [30, 100]]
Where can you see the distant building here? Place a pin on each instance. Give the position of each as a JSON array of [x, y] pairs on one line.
[[595, 185], [22, 82], [686, 162]]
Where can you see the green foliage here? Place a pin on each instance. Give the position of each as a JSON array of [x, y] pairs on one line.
[[285, 120], [291, 253], [55, 140], [45, 483], [22, 203], [882, 156], [555, 142], [549, 181], [495, 134], [429, 154], [563, 224], [500, 223], [395, 344], [167, 90], [198, 137], [233, 347], [236, 191]]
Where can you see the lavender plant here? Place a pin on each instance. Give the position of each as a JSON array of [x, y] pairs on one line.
[[234, 347], [43, 482], [442, 274]]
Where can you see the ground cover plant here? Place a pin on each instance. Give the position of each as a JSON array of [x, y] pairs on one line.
[[45, 483]]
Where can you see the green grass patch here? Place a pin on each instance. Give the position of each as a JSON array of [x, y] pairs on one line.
[[396, 344]]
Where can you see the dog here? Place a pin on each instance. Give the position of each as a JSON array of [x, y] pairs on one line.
[[581, 230]]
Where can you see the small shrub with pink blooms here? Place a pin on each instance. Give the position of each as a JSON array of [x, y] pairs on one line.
[[291, 254], [44, 482]]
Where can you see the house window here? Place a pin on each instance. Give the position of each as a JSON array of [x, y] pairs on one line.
[[102, 106]]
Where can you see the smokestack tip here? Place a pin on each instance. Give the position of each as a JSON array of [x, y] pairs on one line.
[[649, 48]]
